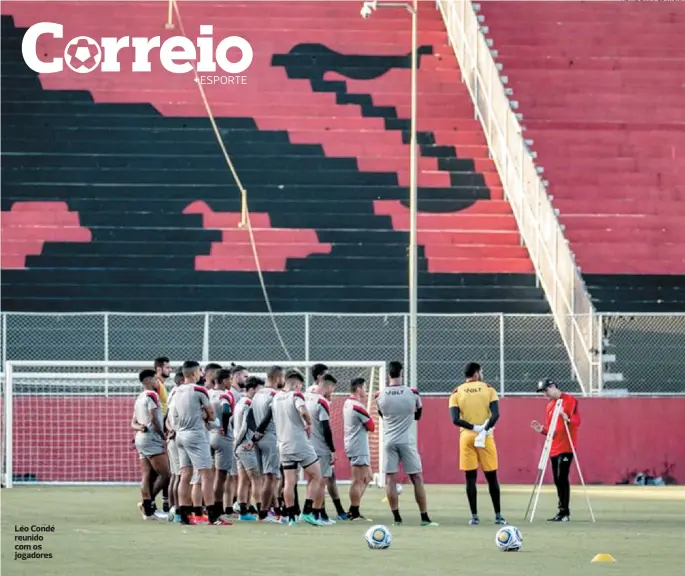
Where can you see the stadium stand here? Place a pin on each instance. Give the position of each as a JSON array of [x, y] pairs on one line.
[[601, 90], [119, 198]]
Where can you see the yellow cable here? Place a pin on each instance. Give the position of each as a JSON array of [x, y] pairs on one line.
[[243, 193]]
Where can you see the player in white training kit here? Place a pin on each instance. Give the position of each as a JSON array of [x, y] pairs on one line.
[[244, 428], [266, 443], [192, 413], [322, 435], [221, 439], [399, 407], [293, 427], [172, 451], [148, 423], [358, 424], [319, 372], [239, 376]]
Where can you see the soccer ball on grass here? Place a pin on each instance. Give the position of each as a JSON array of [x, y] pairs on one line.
[[509, 539], [378, 537]]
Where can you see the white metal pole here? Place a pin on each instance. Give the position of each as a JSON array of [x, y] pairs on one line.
[[306, 348], [580, 474], [205, 339], [501, 354], [105, 322], [413, 193], [544, 457], [9, 423], [170, 16]]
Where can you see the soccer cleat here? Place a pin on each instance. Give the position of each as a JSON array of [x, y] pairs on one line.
[[474, 521], [326, 521], [198, 520], [272, 519], [177, 519], [222, 522], [397, 523], [342, 517], [171, 514], [247, 518], [359, 518], [311, 519], [500, 520], [160, 515], [429, 523], [560, 517], [141, 509]]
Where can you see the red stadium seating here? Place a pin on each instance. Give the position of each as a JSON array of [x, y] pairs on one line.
[[600, 86]]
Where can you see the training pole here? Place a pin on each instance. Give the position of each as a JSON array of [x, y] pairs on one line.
[[542, 464], [580, 474]]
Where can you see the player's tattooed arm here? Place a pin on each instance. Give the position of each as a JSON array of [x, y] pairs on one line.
[[494, 415], [328, 434], [154, 423], [226, 414], [265, 422], [136, 426], [456, 419]]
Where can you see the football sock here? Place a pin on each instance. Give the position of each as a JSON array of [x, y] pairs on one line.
[[165, 499], [147, 507], [316, 512], [339, 510], [197, 510], [424, 517], [184, 512], [396, 516], [243, 508], [472, 491], [323, 513], [213, 512], [252, 510], [220, 507], [258, 505], [228, 510], [308, 505], [292, 513], [493, 486], [354, 511], [263, 514]]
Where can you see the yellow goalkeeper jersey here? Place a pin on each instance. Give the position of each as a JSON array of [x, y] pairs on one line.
[[162, 393]]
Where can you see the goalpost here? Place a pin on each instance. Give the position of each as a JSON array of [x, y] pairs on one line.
[[68, 423]]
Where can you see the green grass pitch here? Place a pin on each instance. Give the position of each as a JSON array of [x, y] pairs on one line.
[[98, 532]]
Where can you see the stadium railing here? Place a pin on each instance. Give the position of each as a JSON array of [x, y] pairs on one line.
[[515, 350], [525, 189]]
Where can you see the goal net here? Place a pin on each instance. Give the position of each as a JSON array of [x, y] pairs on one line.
[[69, 422]]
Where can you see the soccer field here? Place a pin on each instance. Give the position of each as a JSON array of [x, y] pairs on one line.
[[98, 531]]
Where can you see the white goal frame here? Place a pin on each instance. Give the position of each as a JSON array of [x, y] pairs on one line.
[[27, 370]]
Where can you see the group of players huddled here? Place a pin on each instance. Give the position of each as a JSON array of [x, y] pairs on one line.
[[222, 443]]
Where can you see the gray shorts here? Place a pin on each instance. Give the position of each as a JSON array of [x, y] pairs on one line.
[[269, 462], [193, 449], [304, 458], [174, 464], [404, 453], [325, 465], [222, 450], [149, 444], [360, 460], [247, 459]]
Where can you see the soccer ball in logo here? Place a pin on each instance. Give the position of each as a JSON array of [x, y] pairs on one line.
[[378, 537], [82, 55], [509, 539]]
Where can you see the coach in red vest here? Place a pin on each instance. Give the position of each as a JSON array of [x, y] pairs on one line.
[[561, 454]]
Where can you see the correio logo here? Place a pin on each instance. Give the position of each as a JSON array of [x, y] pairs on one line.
[[176, 54]]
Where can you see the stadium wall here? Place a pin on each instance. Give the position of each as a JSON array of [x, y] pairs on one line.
[[618, 436]]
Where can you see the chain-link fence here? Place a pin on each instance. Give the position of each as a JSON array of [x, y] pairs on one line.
[[515, 350], [645, 353]]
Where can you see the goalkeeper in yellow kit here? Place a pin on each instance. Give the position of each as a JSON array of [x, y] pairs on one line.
[[474, 407]]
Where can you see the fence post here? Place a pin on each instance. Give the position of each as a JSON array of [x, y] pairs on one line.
[[4, 338], [600, 353], [405, 337], [306, 345], [106, 341], [9, 424], [205, 339], [501, 354]]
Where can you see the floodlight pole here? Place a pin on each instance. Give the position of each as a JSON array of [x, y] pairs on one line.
[[413, 9]]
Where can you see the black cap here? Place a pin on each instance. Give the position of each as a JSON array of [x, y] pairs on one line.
[[544, 384]]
